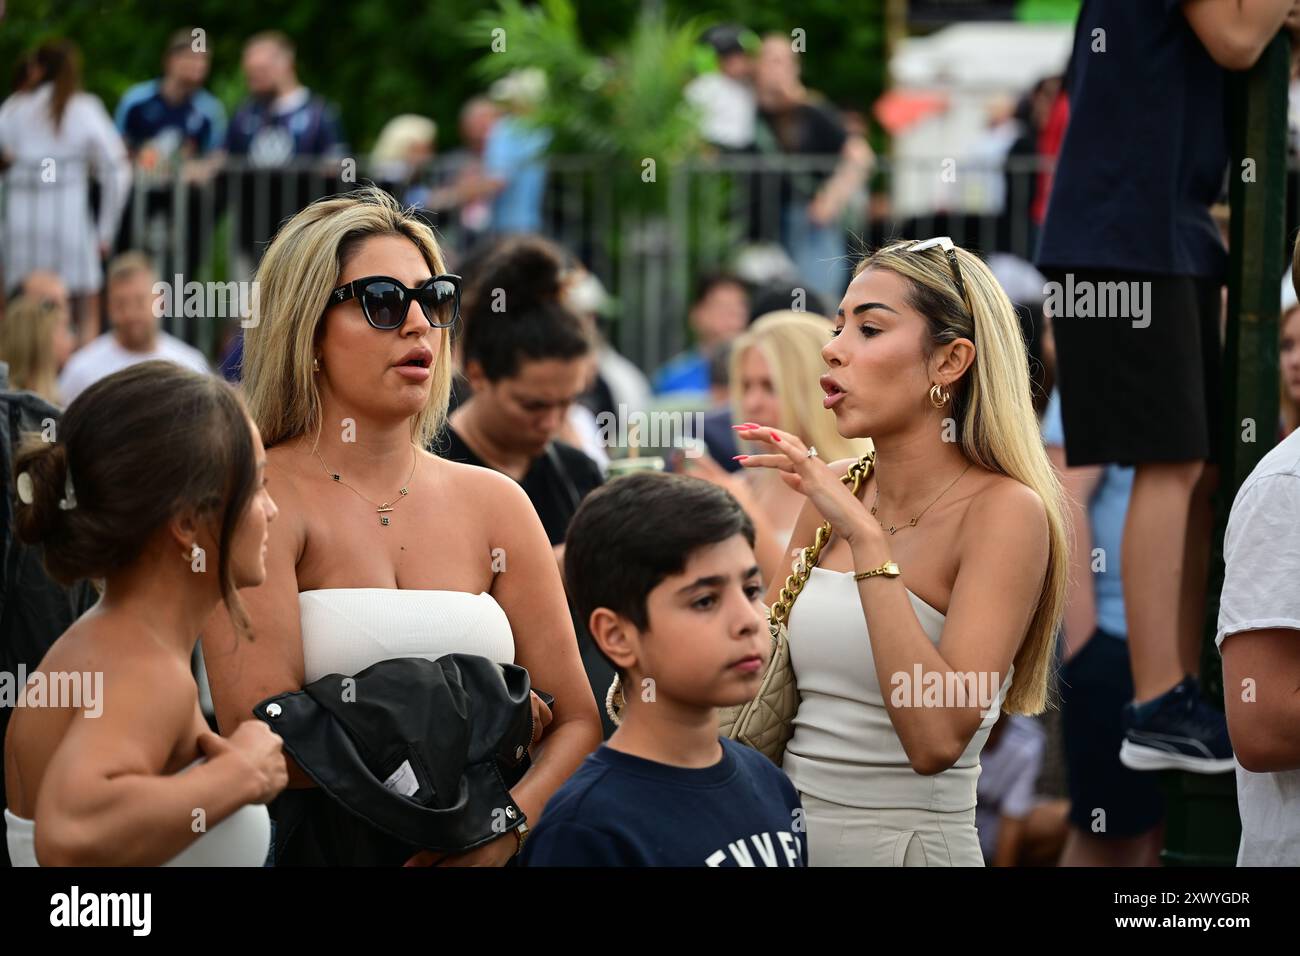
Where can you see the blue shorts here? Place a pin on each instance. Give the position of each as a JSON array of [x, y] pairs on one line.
[[1095, 685]]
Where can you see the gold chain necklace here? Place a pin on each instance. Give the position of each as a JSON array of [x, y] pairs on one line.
[[893, 529], [387, 506]]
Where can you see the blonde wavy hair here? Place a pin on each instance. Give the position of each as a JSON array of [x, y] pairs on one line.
[[297, 274], [998, 429], [27, 345], [791, 343]]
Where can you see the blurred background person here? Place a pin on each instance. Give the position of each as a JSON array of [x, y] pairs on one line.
[[775, 373], [136, 332], [51, 135], [173, 126], [281, 119], [1096, 682], [404, 148], [1017, 825], [513, 154], [45, 286], [36, 341], [284, 126], [719, 312], [173, 117], [468, 195], [795, 122], [526, 358], [724, 94]]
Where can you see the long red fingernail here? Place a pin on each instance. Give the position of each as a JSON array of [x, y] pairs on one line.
[[775, 436], [739, 457], [740, 428]]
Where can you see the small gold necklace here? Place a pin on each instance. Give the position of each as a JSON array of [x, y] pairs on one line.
[[387, 506], [893, 529]]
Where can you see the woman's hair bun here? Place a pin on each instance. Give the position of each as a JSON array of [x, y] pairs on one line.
[[528, 268]]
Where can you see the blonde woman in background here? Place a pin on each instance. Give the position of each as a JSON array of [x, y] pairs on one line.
[[775, 367], [36, 340], [949, 570]]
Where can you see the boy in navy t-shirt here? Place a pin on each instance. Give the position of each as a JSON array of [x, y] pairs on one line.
[[662, 567]]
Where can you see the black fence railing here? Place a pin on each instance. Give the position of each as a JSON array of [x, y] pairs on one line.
[[212, 223]]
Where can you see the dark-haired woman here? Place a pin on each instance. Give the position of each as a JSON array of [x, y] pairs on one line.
[[156, 488], [51, 135], [527, 357], [382, 550]]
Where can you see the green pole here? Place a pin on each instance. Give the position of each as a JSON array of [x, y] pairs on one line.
[[1202, 824]]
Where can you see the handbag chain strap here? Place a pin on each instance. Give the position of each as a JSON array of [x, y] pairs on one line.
[[780, 611]]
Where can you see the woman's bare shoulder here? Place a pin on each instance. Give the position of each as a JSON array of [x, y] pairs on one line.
[[482, 488], [1005, 509]]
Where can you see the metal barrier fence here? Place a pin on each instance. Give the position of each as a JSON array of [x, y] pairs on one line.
[[647, 248]]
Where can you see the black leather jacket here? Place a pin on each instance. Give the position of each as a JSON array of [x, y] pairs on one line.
[[407, 754]]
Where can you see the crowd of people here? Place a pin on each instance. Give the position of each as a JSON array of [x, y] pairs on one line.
[[391, 502]]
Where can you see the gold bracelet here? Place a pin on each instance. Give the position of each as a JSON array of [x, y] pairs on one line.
[[889, 570]]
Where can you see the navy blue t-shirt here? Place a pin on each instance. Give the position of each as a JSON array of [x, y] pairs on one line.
[[273, 134], [621, 810], [1145, 152], [194, 126]]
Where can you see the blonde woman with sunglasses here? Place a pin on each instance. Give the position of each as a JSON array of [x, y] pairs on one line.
[[936, 602], [382, 550]]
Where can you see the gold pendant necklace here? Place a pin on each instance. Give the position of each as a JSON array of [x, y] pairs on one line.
[[894, 529], [380, 509]]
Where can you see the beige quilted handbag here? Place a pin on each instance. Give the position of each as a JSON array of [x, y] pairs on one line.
[[766, 722]]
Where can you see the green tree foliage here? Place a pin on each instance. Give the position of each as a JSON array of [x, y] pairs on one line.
[[378, 58]]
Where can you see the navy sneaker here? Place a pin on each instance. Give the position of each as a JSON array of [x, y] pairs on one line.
[[1176, 731]]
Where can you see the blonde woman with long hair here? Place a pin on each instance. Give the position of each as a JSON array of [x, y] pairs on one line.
[[936, 602], [774, 370], [35, 341], [383, 550]]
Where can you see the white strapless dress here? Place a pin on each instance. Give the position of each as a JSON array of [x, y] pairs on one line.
[[345, 630], [242, 839]]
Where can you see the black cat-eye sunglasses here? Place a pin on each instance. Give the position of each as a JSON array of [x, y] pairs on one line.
[[385, 301]]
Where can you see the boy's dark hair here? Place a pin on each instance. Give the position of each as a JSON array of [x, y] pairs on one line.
[[631, 533], [513, 309]]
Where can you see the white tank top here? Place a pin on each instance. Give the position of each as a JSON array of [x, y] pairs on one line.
[[345, 630], [242, 839], [845, 748]]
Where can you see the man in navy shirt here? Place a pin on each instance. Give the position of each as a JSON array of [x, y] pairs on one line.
[[282, 119], [662, 568], [173, 115], [1135, 268]]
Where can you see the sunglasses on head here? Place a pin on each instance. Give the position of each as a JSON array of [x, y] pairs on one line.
[[946, 244], [385, 301]]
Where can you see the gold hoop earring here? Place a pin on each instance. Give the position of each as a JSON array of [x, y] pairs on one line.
[[939, 396]]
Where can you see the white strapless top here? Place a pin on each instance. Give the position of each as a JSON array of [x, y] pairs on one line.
[[844, 748], [345, 630], [242, 839]]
